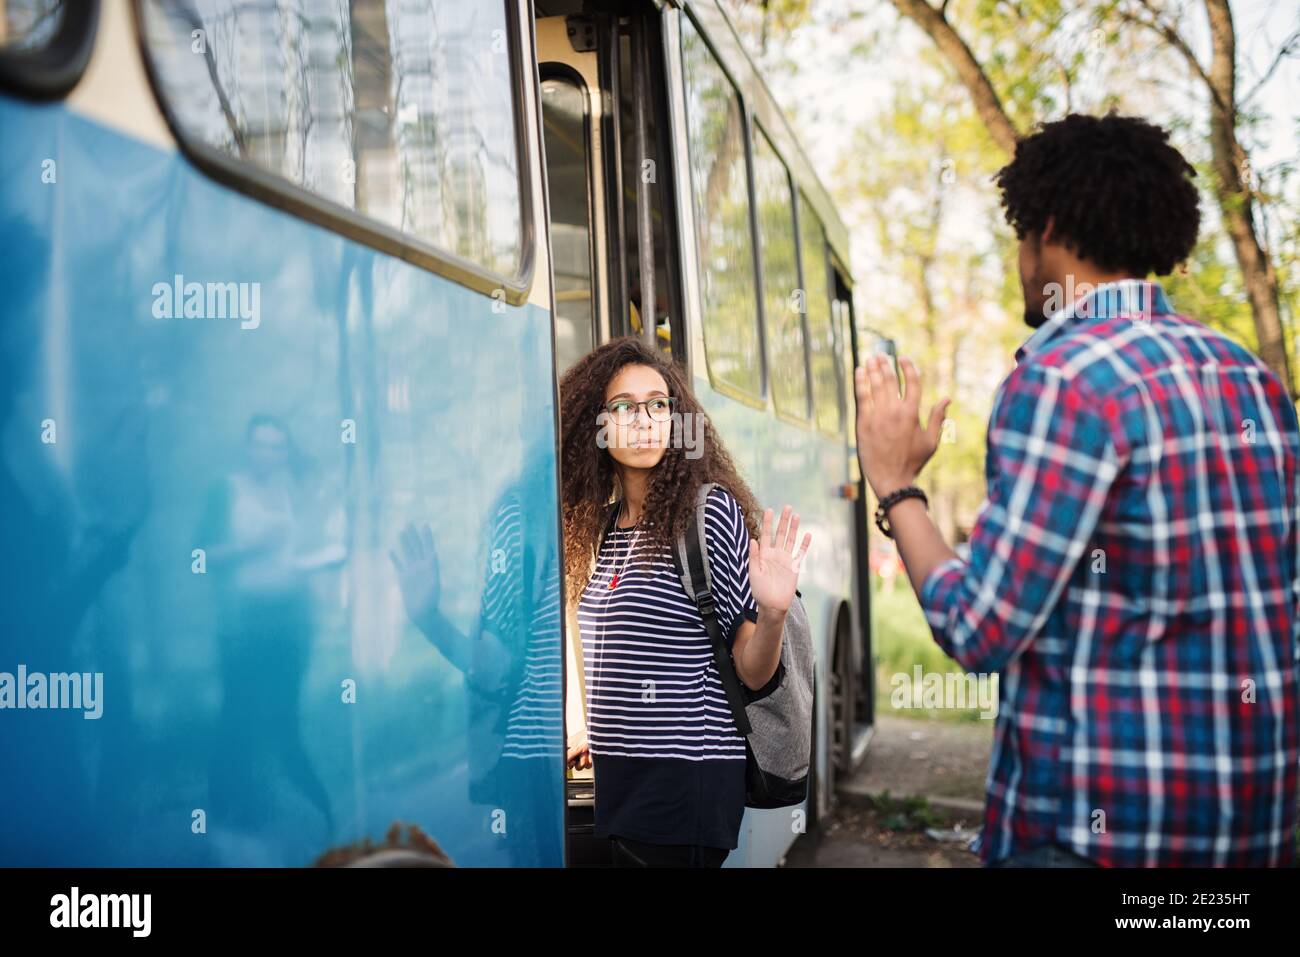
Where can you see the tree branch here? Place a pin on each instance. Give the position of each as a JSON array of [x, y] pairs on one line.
[[1291, 45], [1175, 40], [959, 57]]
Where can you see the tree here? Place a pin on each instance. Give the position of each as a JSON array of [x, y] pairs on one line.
[[1232, 187], [913, 179]]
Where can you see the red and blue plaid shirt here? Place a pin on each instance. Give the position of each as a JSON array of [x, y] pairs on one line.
[[1132, 577]]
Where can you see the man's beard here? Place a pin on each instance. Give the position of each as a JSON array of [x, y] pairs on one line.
[[1034, 317]]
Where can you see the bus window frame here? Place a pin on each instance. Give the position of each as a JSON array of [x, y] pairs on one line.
[[761, 399], [609, 73], [808, 421], [564, 73], [280, 193], [50, 72], [657, 67]]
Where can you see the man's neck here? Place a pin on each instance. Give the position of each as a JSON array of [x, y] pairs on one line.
[[1085, 278]]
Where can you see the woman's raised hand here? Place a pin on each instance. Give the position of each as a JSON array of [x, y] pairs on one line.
[[417, 571], [774, 563]]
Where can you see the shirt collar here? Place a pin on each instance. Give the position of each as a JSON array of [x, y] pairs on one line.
[[1139, 298]]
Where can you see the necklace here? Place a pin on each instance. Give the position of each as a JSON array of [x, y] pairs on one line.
[[636, 530]]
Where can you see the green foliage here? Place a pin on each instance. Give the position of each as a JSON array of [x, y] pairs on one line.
[[902, 640], [912, 813], [1210, 290], [913, 183]]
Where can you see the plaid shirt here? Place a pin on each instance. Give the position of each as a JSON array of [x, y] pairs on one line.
[[1133, 579]]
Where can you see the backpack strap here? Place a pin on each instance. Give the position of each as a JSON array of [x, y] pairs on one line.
[[691, 560]]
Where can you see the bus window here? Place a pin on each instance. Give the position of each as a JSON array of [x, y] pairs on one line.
[[564, 118], [45, 45], [716, 139], [782, 297], [29, 24], [842, 322], [821, 334], [402, 113]]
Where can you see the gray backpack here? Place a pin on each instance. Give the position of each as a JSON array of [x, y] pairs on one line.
[[776, 720]]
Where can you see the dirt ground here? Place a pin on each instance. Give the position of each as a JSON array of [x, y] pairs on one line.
[[916, 802]]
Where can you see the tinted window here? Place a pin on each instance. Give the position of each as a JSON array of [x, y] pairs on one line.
[[565, 125], [843, 321], [821, 333], [782, 297], [399, 111], [721, 192]]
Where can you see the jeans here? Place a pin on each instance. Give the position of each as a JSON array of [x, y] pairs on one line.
[[629, 853], [1045, 855]]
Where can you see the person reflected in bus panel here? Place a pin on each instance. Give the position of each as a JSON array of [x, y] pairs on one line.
[[257, 529], [510, 660], [1133, 573], [667, 758]]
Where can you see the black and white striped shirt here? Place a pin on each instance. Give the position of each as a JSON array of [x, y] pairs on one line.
[[526, 619], [669, 762]]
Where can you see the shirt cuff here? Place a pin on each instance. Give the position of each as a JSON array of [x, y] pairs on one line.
[[774, 682]]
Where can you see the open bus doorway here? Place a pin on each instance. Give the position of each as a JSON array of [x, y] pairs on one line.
[[609, 186]]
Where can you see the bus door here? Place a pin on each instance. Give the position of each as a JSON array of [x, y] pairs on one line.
[[604, 118], [604, 110]]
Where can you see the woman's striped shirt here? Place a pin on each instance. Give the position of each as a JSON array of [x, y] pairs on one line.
[[669, 762]]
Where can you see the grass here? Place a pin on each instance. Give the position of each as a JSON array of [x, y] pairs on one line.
[[904, 814], [902, 640]]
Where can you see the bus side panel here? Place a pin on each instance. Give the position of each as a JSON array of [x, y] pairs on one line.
[[215, 422], [789, 465]]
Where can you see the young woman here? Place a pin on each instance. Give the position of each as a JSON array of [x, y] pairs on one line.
[[669, 763]]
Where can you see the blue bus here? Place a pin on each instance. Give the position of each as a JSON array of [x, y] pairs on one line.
[[283, 283]]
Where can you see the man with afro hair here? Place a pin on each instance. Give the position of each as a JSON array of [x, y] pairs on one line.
[[1132, 576]]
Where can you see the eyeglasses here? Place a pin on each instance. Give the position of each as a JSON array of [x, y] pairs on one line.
[[624, 411]]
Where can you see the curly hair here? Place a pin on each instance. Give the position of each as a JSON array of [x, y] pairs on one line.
[[1118, 194], [589, 476]]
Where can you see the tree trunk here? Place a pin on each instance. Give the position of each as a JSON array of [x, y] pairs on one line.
[[1235, 200], [959, 56]]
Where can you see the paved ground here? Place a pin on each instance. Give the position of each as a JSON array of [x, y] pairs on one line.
[[916, 802]]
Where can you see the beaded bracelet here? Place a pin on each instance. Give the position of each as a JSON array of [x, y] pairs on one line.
[[892, 499]]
